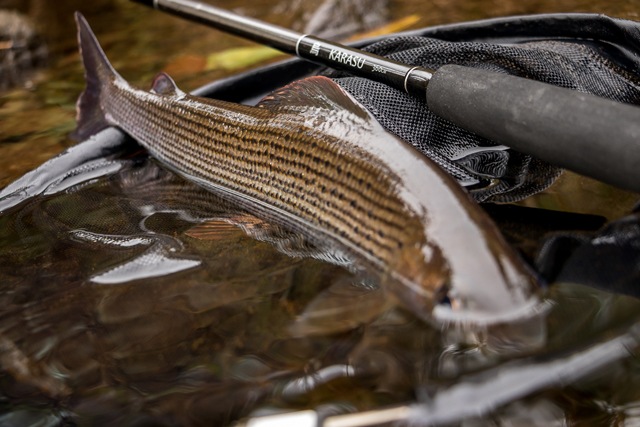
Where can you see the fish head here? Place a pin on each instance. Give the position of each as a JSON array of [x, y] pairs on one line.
[[498, 307]]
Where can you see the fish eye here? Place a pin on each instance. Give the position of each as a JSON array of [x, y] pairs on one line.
[[442, 295], [445, 301]]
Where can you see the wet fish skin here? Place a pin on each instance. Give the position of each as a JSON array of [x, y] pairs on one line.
[[310, 158]]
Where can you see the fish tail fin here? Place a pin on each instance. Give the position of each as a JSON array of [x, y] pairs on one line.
[[98, 74]]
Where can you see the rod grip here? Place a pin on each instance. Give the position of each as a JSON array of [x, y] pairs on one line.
[[588, 134]]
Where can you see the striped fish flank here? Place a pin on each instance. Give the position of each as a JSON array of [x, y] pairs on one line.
[[310, 158]]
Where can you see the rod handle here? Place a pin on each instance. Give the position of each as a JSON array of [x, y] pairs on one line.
[[587, 134]]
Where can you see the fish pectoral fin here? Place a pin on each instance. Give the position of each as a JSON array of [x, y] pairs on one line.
[[346, 304], [216, 229], [312, 92], [164, 85]]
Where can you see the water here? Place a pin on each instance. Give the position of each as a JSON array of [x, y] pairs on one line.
[[128, 311]]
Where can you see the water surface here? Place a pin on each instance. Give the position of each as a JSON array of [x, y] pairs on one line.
[[121, 308]]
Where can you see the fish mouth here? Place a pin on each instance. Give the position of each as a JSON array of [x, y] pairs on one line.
[[532, 308]]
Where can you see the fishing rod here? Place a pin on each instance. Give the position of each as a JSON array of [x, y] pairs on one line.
[[585, 133]]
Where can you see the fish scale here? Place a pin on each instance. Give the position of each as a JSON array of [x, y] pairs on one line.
[[311, 159], [272, 151], [216, 162]]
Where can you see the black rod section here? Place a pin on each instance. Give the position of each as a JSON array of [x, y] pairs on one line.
[[405, 77]]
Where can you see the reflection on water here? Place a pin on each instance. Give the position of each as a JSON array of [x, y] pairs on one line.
[[211, 339], [94, 324], [130, 296]]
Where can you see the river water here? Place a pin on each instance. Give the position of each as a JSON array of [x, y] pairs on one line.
[[215, 335]]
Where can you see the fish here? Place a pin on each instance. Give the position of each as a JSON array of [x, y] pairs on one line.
[[311, 159]]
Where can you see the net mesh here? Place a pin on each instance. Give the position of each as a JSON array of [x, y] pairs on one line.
[[507, 175]]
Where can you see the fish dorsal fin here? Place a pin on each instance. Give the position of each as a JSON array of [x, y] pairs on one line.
[[164, 85], [312, 93], [322, 105]]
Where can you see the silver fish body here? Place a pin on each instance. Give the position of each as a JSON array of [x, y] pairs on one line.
[[312, 159]]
